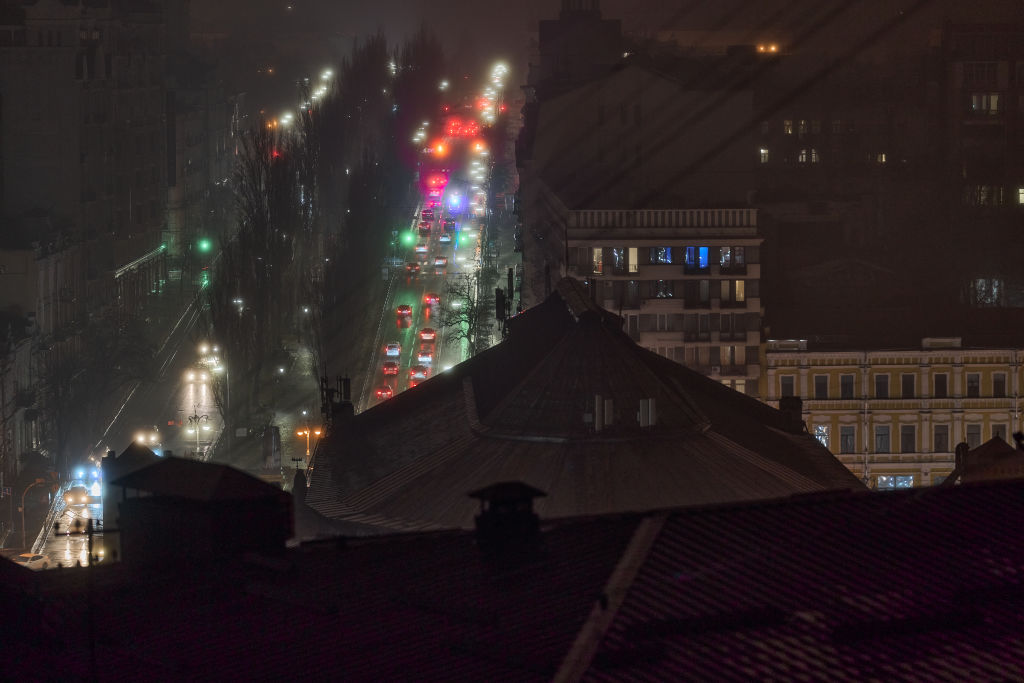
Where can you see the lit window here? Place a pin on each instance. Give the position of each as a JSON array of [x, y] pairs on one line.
[[764, 158], [801, 127], [985, 103], [597, 260], [697, 257], [815, 157], [880, 157], [618, 260], [787, 127], [1020, 195], [802, 157], [725, 257], [633, 265], [741, 293], [895, 481], [821, 434], [661, 254]]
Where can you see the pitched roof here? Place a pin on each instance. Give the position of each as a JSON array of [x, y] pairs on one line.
[[525, 410], [135, 457], [201, 481]]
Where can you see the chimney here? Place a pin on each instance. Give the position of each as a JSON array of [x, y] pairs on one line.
[[960, 457], [507, 528], [792, 408]]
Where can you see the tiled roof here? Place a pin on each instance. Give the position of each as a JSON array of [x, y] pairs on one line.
[[916, 585], [524, 410], [178, 477]]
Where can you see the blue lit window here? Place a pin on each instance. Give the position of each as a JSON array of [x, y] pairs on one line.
[[697, 257], [895, 481]]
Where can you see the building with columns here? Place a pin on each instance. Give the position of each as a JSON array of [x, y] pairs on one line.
[[894, 416]]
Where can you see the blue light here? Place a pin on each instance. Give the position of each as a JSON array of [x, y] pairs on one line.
[[79, 474], [95, 474], [454, 201]]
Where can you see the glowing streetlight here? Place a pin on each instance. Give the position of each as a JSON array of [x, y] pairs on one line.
[[307, 432]]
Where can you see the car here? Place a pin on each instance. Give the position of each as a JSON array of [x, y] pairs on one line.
[[32, 561], [419, 372], [425, 355], [445, 237], [393, 349], [427, 214], [413, 383], [440, 261], [433, 194], [390, 367], [449, 223], [385, 392], [197, 374], [421, 248], [77, 495], [424, 227], [431, 299], [404, 310], [412, 267], [428, 334]]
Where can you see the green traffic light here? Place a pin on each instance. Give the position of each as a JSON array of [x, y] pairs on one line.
[[408, 238], [204, 245]]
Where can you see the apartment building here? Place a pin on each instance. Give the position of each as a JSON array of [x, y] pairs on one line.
[[686, 282], [895, 416]]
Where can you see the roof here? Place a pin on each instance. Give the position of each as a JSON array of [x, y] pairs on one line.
[[525, 410], [134, 457], [916, 584], [201, 481], [910, 585]]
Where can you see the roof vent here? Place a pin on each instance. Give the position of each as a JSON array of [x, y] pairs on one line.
[[507, 522]]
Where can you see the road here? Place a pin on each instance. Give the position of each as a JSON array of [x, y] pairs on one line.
[[411, 289]]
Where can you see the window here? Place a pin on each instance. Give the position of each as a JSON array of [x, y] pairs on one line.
[[815, 126], [847, 440], [880, 158], [802, 157], [696, 258], [999, 431], [821, 387], [725, 292], [821, 434], [618, 261], [941, 385], [786, 386], [882, 439], [837, 127], [973, 435], [661, 255], [881, 386], [907, 383], [940, 440], [739, 258], [801, 127], [815, 157], [846, 386], [980, 73], [704, 291], [984, 103], [973, 385], [725, 257], [983, 195], [741, 291], [1020, 195], [787, 127], [764, 155], [908, 439], [663, 289], [634, 266], [888, 482], [596, 260], [999, 385]]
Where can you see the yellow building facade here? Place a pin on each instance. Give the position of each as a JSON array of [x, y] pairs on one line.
[[895, 416]]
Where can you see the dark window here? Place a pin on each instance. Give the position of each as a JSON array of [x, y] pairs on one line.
[[999, 385], [942, 385], [908, 439], [907, 385], [847, 440], [973, 385], [999, 431], [786, 385], [661, 254], [882, 439], [846, 386], [821, 387], [941, 444], [973, 436], [881, 386]]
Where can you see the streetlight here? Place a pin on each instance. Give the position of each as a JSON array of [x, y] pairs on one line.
[[306, 433], [197, 422]]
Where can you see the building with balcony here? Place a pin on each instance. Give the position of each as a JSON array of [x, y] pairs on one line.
[[894, 416], [686, 282]]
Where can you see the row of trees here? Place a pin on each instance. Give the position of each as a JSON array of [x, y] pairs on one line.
[[315, 205]]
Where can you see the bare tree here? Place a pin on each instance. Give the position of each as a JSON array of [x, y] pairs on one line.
[[467, 312]]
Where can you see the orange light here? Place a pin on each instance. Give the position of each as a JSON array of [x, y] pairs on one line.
[[773, 48]]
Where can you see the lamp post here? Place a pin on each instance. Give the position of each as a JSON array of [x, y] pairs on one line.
[[197, 422], [306, 433], [37, 482]]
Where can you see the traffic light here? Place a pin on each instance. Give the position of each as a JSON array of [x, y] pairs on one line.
[[204, 245]]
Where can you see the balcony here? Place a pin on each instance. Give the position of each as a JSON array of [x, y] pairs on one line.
[[667, 305]]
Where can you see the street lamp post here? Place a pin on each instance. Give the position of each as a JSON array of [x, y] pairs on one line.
[[37, 482], [306, 433], [197, 422]]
